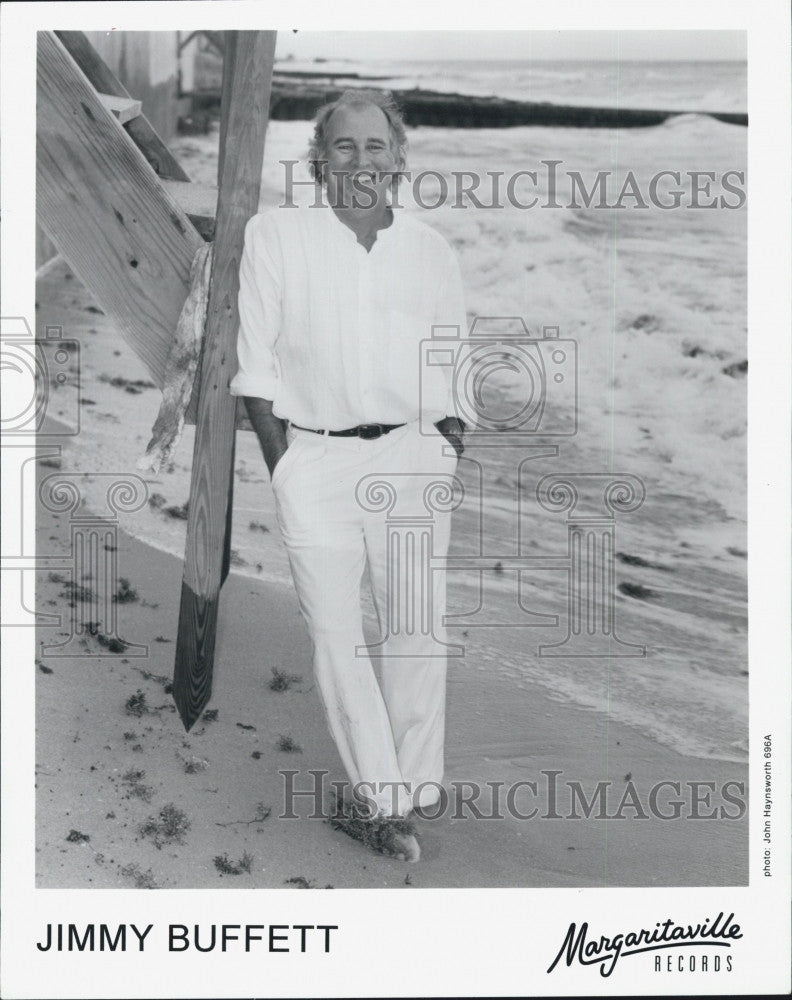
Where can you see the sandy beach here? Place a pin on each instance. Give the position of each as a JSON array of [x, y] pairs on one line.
[[126, 798], [112, 755]]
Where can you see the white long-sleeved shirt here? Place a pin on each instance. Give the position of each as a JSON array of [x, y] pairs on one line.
[[332, 333]]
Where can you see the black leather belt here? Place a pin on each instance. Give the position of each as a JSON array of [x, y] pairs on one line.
[[366, 431]]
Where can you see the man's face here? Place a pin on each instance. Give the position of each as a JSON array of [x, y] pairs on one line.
[[359, 149]]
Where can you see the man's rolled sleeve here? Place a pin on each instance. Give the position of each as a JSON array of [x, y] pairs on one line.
[[259, 312], [451, 312]]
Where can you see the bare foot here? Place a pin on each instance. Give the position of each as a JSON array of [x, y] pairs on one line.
[[406, 847], [392, 836]]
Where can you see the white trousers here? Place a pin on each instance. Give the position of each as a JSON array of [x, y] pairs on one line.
[[344, 504]]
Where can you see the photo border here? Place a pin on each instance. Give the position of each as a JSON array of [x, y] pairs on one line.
[[466, 941]]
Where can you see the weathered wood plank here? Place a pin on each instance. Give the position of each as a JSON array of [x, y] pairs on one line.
[[91, 63], [124, 108], [198, 202], [216, 38], [226, 85], [45, 248], [104, 80], [105, 210], [249, 60], [226, 567], [48, 267]]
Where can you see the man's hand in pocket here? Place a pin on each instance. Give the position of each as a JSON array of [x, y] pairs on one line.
[[453, 430]]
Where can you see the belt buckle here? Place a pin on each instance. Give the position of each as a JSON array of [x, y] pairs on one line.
[[370, 432]]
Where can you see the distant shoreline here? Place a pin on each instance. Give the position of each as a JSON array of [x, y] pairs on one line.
[[297, 94], [299, 88]]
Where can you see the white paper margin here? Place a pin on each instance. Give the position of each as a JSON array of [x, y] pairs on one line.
[[445, 942]]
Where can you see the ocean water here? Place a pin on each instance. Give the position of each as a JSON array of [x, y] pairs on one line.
[[678, 86], [655, 304]]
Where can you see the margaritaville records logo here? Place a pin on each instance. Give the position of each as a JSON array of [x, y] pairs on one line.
[[702, 947]]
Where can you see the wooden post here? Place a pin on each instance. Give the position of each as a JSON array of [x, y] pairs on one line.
[[244, 114]]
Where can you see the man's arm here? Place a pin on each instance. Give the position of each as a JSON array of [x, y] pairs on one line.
[[450, 311], [270, 430], [257, 378]]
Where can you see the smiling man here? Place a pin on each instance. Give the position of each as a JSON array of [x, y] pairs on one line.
[[334, 302]]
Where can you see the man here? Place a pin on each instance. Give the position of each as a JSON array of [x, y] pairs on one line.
[[334, 302]]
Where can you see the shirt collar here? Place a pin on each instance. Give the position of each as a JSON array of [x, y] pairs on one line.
[[337, 225]]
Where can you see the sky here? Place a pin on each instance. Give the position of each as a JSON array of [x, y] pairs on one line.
[[509, 45]]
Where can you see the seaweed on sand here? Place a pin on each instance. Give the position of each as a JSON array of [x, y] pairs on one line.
[[169, 827], [227, 867], [385, 835]]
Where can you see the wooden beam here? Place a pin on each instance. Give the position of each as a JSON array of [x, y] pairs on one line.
[[103, 207], [184, 42], [124, 108], [249, 60], [216, 39], [226, 86], [45, 269], [198, 202], [104, 80]]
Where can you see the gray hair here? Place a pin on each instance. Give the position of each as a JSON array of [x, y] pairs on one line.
[[356, 98]]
